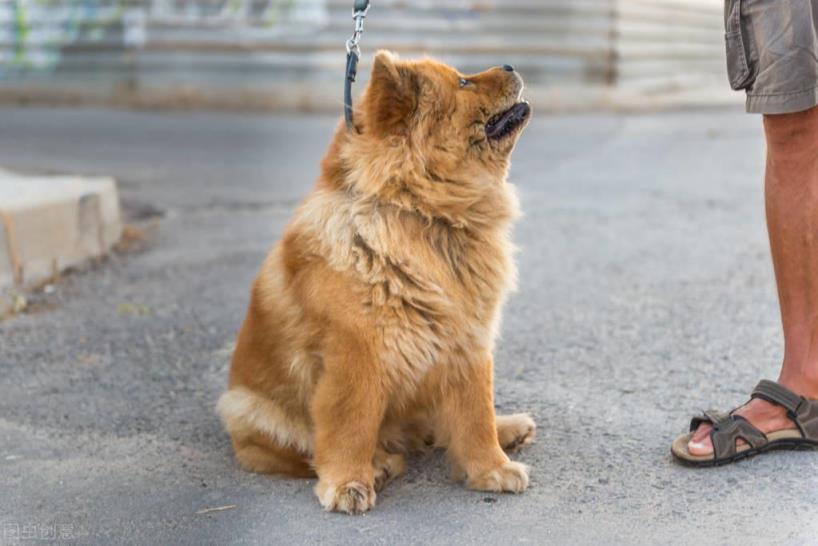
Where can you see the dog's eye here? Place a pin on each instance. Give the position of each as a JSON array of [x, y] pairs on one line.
[[463, 83]]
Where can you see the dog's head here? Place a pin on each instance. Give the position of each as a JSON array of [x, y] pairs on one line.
[[432, 140], [470, 122]]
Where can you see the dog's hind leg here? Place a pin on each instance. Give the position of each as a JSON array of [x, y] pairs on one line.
[[265, 438], [388, 466], [515, 431], [256, 453]]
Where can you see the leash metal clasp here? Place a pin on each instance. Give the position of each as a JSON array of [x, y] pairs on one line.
[[359, 11]]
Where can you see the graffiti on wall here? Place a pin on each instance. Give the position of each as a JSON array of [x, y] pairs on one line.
[[34, 34], [34, 31]]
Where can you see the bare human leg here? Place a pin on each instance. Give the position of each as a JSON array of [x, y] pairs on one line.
[[791, 194]]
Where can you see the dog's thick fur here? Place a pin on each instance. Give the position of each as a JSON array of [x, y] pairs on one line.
[[371, 324]]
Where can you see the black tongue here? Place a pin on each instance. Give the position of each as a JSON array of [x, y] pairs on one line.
[[516, 113], [497, 124]]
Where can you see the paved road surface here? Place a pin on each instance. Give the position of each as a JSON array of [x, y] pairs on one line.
[[646, 293]]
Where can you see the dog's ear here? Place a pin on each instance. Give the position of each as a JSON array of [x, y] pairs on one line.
[[392, 96]]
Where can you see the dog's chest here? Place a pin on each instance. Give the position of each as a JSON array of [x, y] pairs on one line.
[[431, 292], [433, 306]]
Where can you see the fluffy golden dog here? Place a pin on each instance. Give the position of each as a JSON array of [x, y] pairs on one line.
[[372, 323]]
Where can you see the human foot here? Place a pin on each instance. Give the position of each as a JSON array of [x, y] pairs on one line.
[[777, 417], [765, 416]]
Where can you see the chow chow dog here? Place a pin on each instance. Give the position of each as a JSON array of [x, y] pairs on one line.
[[371, 324]]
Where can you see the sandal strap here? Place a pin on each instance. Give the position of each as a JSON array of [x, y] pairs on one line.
[[725, 434], [711, 416], [802, 411], [778, 394]]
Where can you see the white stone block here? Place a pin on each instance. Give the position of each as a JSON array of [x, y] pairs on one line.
[[49, 223]]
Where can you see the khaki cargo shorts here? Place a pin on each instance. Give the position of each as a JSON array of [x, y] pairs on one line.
[[772, 53]]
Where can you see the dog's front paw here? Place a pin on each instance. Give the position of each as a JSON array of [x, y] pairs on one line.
[[515, 431], [510, 476], [352, 497]]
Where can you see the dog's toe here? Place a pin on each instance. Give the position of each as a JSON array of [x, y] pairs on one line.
[[353, 497], [511, 477]]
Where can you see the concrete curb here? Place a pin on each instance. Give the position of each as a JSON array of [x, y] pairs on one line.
[[50, 223]]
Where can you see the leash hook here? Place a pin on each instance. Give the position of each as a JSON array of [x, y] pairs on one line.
[[359, 10]]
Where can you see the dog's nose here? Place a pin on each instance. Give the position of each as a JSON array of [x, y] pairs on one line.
[[508, 68]]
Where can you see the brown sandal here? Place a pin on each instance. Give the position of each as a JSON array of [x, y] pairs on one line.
[[728, 429]]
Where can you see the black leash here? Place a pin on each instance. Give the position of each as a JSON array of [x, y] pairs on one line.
[[359, 10]]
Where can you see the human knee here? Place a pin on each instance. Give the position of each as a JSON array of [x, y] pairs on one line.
[[792, 135]]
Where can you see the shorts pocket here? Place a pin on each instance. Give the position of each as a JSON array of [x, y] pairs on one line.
[[739, 71]]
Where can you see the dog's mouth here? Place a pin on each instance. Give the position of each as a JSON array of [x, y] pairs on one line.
[[507, 122]]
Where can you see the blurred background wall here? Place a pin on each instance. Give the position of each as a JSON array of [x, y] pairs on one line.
[[289, 54]]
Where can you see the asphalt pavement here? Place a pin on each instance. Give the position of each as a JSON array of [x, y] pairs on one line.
[[646, 294]]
